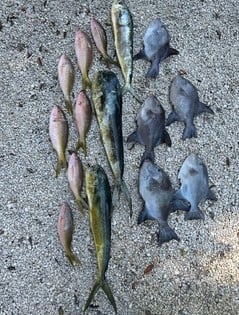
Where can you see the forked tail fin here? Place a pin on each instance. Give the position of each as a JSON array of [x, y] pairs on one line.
[[101, 283]]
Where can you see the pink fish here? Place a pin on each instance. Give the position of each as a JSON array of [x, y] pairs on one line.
[[58, 130]]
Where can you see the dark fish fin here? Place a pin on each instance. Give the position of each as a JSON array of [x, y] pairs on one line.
[[61, 164], [195, 214], [166, 234], [69, 106], [211, 195], [109, 61], [139, 55], [204, 108], [148, 155], [179, 203], [124, 189], [81, 144], [154, 69], [72, 258], [172, 51], [172, 117], [189, 131], [143, 215], [86, 83], [133, 137], [101, 283], [109, 294], [166, 138], [128, 88]]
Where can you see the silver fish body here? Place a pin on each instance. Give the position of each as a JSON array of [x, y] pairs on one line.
[[184, 97], [193, 176]]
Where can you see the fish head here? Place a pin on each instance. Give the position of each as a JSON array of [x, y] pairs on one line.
[[121, 13], [150, 170], [57, 114], [151, 109]]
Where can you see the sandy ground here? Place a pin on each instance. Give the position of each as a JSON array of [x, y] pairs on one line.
[[198, 275]]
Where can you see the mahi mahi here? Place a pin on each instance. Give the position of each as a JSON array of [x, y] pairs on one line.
[[122, 24], [107, 100], [100, 204]]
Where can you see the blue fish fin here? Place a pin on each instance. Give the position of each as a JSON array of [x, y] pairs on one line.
[[172, 117], [211, 195], [195, 214], [166, 234], [139, 55], [203, 108], [189, 131]]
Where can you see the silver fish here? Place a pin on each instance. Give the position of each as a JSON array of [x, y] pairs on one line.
[[194, 186], [186, 105]]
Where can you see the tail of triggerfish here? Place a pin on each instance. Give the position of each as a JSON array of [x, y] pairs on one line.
[[61, 164], [86, 83], [101, 283], [128, 88], [194, 214]]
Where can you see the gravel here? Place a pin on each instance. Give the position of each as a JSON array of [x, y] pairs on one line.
[[198, 275]]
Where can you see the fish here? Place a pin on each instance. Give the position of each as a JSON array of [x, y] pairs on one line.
[[84, 55], [58, 130], [150, 130], [100, 39], [184, 97], [159, 199], [193, 176], [83, 118], [156, 47], [100, 206], [107, 101], [122, 24], [65, 229], [75, 175], [66, 77]]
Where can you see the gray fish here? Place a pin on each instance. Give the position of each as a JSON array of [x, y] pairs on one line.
[[155, 47], [159, 199], [186, 105], [194, 180], [150, 130]]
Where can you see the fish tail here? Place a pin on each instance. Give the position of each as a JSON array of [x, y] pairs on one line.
[[82, 204], [86, 83], [123, 187], [62, 163], [74, 260], [189, 131], [195, 214], [69, 108], [153, 70], [128, 88], [172, 51], [108, 60], [166, 234], [101, 283], [148, 155], [81, 144]]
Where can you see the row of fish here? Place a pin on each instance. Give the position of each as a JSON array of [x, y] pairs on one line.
[[160, 199]]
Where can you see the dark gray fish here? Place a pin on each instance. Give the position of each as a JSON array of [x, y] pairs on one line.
[[159, 199], [194, 180], [186, 105], [107, 100], [150, 130], [155, 47]]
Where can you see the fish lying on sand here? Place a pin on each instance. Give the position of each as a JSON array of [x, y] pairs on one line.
[[150, 130], [186, 105], [66, 77], [83, 118], [107, 100], [159, 199], [58, 130], [65, 231], [155, 47], [100, 204], [194, 186]]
